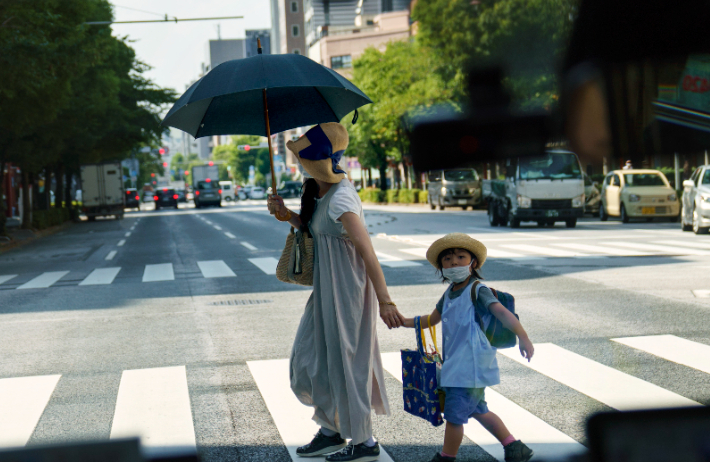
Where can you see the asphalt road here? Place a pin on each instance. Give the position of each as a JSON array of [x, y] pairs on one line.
[[172, 325]]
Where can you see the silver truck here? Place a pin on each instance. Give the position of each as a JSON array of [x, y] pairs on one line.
[[102, 190], [542, 189], [457, 188]]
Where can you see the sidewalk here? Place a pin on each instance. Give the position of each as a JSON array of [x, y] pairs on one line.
[[17, 237]]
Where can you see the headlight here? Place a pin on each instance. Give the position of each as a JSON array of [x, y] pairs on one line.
[[524, 202], [472, 191], [443, 191], [634, 198], [704, 198], [578, 201], [672, 197]]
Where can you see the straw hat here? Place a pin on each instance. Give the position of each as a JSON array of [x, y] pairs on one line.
[[457, 241], [320, 150]]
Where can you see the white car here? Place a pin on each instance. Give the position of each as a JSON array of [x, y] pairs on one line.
[[695, 214], [257, 193], [227, 191]]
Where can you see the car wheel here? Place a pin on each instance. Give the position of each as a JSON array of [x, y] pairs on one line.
[[571, 223], [541, 223], [602, 213], [697, 229], [514, 222], [683, 225], [219, 204], [441, 204], [624, 216], [431, 204], [91, 218], [464, 207], [492, 215]]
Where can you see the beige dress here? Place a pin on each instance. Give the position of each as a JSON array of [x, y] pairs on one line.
[[335, 363]]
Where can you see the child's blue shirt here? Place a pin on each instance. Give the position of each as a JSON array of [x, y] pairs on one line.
[[469, 359]]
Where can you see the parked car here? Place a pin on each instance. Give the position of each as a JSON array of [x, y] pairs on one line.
[[638, 194], [165, 198], [227, 191], [246, 190], [242, 194], [290, 189], [257, 193], [460, 187], [133, 199], [207, 193], [695, 206]]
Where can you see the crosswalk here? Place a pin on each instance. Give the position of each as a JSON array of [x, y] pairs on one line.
[[155, 404]]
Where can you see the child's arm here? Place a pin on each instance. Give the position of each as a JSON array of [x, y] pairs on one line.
[[511, 322], [435, 318]]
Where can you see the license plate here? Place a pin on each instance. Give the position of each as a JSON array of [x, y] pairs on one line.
[[462, 201], [552, 213], [648, 210]]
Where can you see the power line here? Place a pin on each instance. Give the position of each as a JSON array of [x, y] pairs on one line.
[[104, 23]]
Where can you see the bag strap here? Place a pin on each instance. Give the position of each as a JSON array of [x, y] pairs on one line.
[[421, 338], [432, 332]]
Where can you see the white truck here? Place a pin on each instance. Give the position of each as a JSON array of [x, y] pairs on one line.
[[102, 190], [543, 189]]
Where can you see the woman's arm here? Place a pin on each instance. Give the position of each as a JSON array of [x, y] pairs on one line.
[[434, 317], [509, 321], [359, 236], [275, 203]]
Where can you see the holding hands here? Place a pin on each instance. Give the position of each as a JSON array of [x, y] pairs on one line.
[[391, 315]]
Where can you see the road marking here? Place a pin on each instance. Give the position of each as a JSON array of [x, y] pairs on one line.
[[101, 276], [215, 269], [248, 246], [602, 383], [292, 419], [701, 293], [230, 235], [208, 222], [544, 250], [395, 262], [111, 254], [128, 234], [267, 264], [694, 245], [218, 228], [604, 250], [154, 404], [22, 402], [121, 242], [660, 248], [7, 277], [496, 253], [672, 348], [547, 442], [416, 251], [160, 272], [44, 280]]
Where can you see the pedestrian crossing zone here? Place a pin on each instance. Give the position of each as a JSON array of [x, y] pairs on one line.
[[154, 404]]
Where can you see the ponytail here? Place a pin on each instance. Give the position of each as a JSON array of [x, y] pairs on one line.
[[309, 193]]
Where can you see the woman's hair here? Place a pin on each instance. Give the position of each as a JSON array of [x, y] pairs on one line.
[[451, 251], [309, 193]]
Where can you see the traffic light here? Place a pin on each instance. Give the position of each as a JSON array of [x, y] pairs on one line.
[[210, 163], [161, 151], [165, 165], [245, 147], [187, 172], [152, 175]]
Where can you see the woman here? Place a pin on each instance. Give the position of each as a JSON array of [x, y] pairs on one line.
[[335, 362]]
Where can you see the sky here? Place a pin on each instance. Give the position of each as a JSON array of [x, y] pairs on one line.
[[176, 51]]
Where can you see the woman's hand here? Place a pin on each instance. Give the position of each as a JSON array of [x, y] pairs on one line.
[[391, 315], [275, 204]]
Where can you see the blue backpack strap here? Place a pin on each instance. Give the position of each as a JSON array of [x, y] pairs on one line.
[[479, 312]]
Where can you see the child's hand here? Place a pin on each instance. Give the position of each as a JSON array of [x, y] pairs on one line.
[[526, 348]]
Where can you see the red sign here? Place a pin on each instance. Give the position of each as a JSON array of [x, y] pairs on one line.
[[696, 84]]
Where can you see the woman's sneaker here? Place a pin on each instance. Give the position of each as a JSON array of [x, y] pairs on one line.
[[360, 452], [439, 458], [320, 445], [517, 452]]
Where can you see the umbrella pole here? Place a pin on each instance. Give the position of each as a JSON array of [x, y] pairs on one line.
[[285, 215]]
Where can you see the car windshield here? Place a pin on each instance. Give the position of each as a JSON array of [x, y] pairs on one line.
[[643, 179], [706, 177], [460, 175], [553, 166], [206, 185]]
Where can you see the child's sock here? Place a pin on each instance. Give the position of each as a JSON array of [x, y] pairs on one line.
[[508, 440], [327, 431], [371, 442], [443, 454]]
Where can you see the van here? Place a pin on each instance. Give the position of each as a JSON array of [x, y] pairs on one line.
[[227, 191], [457, 187]]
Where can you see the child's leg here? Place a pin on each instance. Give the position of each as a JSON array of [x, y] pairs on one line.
[[452, 439], [494, 425]]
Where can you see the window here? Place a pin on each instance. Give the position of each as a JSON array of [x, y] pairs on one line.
[[341, 62], [706, 177], [607, 180], [616, 181], [643, 179], [295, 31], [294, 7], [460, 175], [296, 51]]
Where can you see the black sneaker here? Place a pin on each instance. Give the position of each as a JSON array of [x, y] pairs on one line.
[[439, 458], [359, 452], [320, 445], [517, 452]]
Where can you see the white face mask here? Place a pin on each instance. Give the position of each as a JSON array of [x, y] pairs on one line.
[[456, 274]]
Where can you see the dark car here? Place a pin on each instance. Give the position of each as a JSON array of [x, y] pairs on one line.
[[207, 193], [182, 197], [165, 198], [290, 189], [133, 199]]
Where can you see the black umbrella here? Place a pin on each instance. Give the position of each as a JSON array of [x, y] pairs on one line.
[[232, 99]]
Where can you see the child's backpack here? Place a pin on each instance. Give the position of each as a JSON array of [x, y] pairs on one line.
[[498, 335]]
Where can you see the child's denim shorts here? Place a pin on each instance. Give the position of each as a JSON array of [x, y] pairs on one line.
[[462, 403]]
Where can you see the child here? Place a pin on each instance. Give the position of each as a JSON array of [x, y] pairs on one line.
[[469, 359]]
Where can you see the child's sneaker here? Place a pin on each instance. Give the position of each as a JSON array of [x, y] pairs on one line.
[[439, 458], [517, 452], [320, 445]]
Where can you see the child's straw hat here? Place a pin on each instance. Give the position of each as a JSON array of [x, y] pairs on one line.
[[320, 150], [457, 241]]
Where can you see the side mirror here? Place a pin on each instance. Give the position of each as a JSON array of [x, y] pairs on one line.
[[688, 184]]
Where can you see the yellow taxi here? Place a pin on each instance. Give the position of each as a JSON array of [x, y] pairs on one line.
[[638, 194]]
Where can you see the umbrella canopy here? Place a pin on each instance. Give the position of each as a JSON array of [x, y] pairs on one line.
[[229, 100]]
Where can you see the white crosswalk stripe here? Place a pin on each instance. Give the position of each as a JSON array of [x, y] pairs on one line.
[[602, 383], [44, 280], [292, 419], [672, 348], [7, 277], [267, 264], [160, 272], [154, 404], [215, 269], [101, 276], [395, 262], [692, 245], [548, 251], [22, 402], [667, 249], [603, 250]]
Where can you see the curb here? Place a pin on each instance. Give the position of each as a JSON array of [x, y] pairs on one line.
[[36, 235]]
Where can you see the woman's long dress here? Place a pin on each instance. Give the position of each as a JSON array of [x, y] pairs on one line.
[[335, 362]]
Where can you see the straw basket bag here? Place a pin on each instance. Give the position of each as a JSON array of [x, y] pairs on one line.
[[296, 262]]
